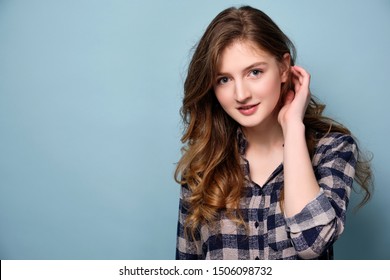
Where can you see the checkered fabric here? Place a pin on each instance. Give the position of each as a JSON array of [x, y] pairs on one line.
[[269, 235]]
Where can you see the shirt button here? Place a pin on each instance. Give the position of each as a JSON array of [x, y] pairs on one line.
[[257, 224]]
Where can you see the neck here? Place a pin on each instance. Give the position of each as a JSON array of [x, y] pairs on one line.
[[266, 136]]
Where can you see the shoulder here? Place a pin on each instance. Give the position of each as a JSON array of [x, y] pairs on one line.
[[335, 143], [185, 191], [335, 139]]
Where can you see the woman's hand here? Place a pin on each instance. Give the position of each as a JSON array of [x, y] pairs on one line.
[[300, 183], [295, 104]]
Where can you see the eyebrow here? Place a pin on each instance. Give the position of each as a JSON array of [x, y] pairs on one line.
[[254, 65]]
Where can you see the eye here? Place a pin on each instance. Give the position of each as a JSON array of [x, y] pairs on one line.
[[222, 80], [255, 72]]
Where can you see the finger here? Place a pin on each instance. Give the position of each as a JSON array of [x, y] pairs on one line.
[[302, 74], [301, 81], [300, 70], [289, 97], [296, 81]]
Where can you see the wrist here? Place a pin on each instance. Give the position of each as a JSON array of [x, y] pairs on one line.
[[293, 129]]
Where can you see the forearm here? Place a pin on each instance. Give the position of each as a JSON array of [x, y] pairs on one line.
[[300, 184]]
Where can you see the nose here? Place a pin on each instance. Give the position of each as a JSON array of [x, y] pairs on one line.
[[242, 94]]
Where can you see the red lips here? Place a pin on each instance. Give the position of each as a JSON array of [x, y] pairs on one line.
[[248, 110]]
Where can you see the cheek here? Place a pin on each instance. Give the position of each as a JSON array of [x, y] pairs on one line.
[[222, 97], [267, 88]]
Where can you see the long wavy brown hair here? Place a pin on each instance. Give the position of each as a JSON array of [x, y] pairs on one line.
[[210, 163]]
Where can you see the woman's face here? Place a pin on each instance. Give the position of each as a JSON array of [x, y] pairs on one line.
[[248, 84]]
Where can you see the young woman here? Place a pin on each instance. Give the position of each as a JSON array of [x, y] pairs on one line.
[[263, 174]]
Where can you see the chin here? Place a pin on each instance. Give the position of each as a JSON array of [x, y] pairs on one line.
[[256, 121], [249, 124]]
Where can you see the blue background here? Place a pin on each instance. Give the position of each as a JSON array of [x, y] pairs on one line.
[[90, 93]]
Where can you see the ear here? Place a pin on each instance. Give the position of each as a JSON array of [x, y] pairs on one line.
[[285, 67]]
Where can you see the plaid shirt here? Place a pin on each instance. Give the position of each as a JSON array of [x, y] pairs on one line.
[[309, 234]]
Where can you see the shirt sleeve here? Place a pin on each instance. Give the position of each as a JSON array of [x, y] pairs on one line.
[[188, 246], [322, 220]]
